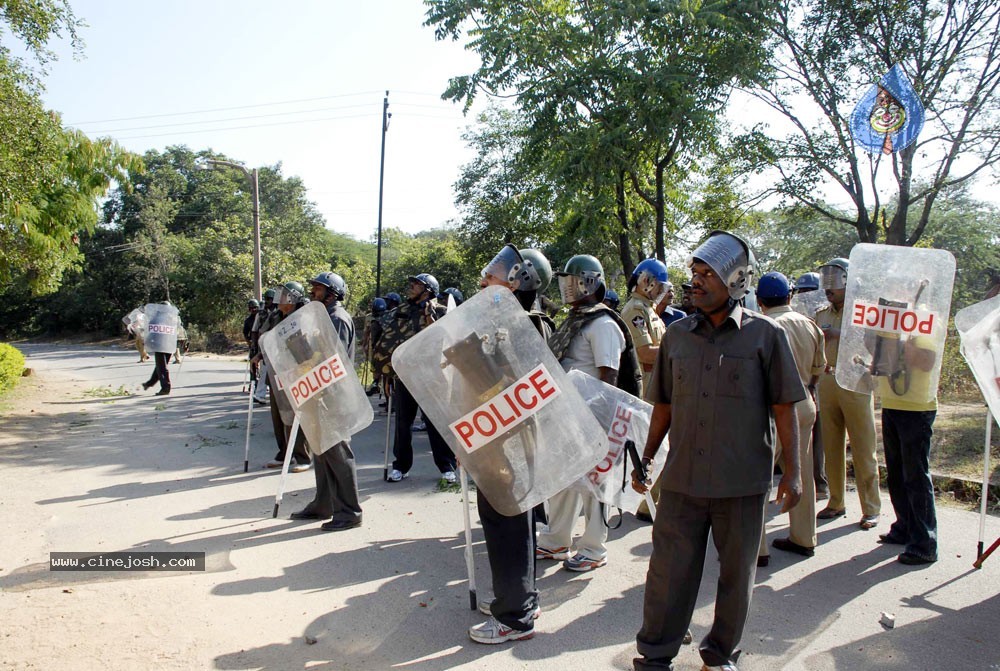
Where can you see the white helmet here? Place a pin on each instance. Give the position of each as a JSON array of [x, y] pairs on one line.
[[730, 257]]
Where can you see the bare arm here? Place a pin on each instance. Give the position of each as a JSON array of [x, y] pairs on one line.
[[659, 424], [608, 375], [790, 487]]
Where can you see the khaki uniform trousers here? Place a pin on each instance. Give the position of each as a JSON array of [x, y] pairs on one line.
[[140, 346], [840, 410], [801, 518]]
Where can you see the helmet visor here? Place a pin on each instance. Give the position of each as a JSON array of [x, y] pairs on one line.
[[288, 296], [507, 266], [571, 288], [652, 288], [832, 277]]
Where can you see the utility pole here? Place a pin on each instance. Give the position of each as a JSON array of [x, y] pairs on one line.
[[381, 182]]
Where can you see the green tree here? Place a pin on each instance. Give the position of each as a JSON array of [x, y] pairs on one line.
[[828, 52], [613, 93]]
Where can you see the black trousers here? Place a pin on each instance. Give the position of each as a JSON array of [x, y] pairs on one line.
[[336, 484], [161, 373], [510, 545], [402, 449], [281, 434], [906, 436]]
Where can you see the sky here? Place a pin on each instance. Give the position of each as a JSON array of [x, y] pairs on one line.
[[300, 83]]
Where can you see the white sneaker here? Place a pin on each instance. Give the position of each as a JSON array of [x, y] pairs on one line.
[[449, 477], [395, 476], [492, 632], [484, 608]]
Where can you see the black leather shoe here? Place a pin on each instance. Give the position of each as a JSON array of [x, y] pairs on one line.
[[763, 561], [788, 545], [644, 517], [890, 539], [306, 514], [340, 525], [147, 385], [912, 559], [163, 392]]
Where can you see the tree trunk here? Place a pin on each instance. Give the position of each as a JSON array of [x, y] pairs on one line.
[[661, 248], [624, 246]]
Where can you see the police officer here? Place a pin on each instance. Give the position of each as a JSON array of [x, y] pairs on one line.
[[724, 362], [807, 283], [161, 372], [647, 287], [611, 299], [845, 410], [589, 340], [265, 313], [370, 337], [253, 306], [291, 298], [510, 540], [418, 311], [335, 469]]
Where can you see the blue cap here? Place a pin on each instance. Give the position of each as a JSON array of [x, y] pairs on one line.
[[772, 285]]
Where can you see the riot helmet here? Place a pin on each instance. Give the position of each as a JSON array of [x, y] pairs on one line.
[[253, 303], [454, 293], [583, 276], [773, 285], [333, 282], [537, 269], [611, 299], [731, 258], [807, 282], [650, 278], [392, 300], [378, 306], [429, 281], [833, 273], [291, 293]]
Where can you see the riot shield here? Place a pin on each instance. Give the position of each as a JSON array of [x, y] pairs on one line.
[[979, 328], [161, 328], [807, 303], [896, 306], [623, 417], [488, 381], [135, 322], [317, 377]]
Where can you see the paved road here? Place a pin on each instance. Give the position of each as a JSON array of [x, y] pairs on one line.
[[84, 473]]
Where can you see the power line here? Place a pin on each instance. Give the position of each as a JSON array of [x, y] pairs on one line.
[[223, 109], [259, 125], [236, 118]]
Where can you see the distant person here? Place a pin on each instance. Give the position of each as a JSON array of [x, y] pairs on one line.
[[611, 299], [806, 341], [253, 307], [668, 313], [845, 411]]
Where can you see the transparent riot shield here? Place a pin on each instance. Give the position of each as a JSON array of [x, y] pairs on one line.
[[809, 302], [623, 417], [161, 328], [979, 328], [317, 377], [488, 381], [895, 321]]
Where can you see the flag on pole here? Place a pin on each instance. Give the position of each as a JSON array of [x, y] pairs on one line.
[[890, 116]]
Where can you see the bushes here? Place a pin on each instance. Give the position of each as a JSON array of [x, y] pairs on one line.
[[11, 366]]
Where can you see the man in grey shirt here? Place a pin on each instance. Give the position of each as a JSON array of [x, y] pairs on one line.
[[720, 376]]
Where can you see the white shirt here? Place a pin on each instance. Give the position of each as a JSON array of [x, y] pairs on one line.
[[599, 344]]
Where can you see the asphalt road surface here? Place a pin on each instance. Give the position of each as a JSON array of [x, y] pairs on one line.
[[87, 473]]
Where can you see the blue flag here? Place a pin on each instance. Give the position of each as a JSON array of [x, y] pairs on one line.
[[889, 116]]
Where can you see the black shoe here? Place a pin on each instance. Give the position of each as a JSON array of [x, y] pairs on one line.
[[890, 539], [788, 545], [306, 514], [340, 525], [147, 385], [913, 559], [644, 517], [163, 392], [763, 561], [646, 663]]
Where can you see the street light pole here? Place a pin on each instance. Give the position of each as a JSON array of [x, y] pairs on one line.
[[381, 181], [255, 192]]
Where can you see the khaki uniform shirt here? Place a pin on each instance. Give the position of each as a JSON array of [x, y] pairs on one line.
[[645, 326], [721, 384], [804, 337], [827, 318]]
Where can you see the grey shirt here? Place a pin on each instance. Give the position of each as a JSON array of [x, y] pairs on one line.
[[721, 384], [344, 326]]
